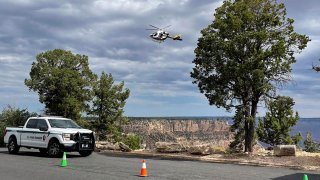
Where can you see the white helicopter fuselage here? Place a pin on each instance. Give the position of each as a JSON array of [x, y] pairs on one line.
[[159, 35]]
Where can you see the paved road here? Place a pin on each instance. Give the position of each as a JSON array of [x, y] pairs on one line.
[[30, 165]]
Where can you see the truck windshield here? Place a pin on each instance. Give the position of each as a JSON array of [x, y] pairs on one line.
[[63, 123]]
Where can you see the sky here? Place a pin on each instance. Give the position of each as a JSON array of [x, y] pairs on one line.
[[112, 34]]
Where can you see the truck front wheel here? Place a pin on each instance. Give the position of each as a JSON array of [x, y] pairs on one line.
[[54, 148], [85, 153], [13, 147]]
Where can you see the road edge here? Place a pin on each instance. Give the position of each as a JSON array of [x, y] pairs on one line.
[[180, 157]]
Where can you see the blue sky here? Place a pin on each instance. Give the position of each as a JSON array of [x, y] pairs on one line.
[[112, 33]]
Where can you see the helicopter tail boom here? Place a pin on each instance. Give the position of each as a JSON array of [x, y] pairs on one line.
[[176, 37]]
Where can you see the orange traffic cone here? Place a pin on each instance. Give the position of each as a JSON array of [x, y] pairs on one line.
[[143, 172]]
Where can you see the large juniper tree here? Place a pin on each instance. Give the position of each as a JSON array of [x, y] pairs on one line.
[[109, 101], [63, 81], [243, 55]]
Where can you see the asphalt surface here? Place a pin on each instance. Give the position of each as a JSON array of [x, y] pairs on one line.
[[31, 165]]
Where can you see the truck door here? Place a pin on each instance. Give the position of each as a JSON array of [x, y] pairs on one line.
[[41, 134], [27, 133]]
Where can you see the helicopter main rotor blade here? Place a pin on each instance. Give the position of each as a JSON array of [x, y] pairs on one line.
[[166, 27], [152, 29], [154, 26]]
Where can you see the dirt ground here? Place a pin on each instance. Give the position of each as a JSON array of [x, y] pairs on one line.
[[302, 160]]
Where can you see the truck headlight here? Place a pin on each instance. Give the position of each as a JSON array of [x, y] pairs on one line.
[[66, 136]]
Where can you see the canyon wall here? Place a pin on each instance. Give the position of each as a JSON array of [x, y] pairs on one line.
[[192, 131]]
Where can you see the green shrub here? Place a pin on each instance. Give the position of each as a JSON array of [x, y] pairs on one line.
[[275, 127], [84, 123], [133, 141], [310, 145], [13, 117], [2, 127]]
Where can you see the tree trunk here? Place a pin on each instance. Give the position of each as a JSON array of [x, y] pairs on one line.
[[246, 128], [249, 127], [251, 130], [252, 124], [246, 140]]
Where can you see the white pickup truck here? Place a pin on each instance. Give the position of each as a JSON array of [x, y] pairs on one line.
[[52, 135]]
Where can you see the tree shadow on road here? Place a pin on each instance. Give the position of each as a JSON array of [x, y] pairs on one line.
[[298, 176]]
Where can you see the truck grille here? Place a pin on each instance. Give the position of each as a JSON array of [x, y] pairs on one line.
[[82, 137], [85, 141], [85, 137]]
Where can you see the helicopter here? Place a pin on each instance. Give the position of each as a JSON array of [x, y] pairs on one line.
[[316, 68], [160, 35]]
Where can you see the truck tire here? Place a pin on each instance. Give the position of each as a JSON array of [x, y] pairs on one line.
[[85, 153], [13, 147], [54, 148]]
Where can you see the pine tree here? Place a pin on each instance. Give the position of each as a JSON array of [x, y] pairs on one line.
[[310, 145], [243, 55], [109, 101], [275, 127]]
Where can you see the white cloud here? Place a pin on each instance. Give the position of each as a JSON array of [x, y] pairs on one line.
[[112, 33], [132, 7]]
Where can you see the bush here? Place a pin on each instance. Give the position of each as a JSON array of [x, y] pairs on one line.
[[310, 145], [2, 127], [133, 141], [13, 117], [275, 127], [84, 123]]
